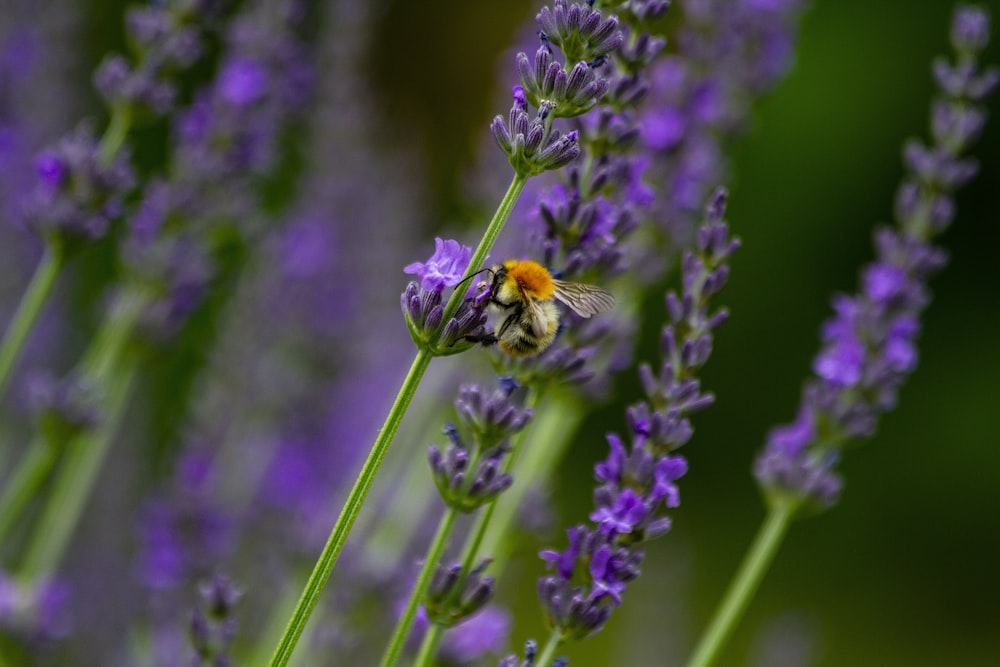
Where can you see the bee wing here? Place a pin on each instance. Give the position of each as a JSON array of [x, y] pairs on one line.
[[584, 300], [538, 324]]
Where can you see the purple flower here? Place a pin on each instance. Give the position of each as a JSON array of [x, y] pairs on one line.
[[488, 632], [168, 38], [841, 362], [530, 653], [455, 595], [242, 81], [78, 193], [628, 510], [423, 310], [588, 583], [444, 268], [34, 611], [530, 145], [869, 346], [970, 30], [51, 170]]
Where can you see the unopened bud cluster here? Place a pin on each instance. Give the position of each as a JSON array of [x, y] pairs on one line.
[[165, 37], [212, 627], [469, 470], [455, 595], [78, 195], [555, 89], [530, 655]]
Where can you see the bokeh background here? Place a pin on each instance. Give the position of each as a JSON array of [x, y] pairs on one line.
[[904, 571]]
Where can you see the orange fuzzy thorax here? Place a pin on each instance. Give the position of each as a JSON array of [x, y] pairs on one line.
[[533, 278]]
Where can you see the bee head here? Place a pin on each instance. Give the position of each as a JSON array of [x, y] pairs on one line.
[[531, 277]]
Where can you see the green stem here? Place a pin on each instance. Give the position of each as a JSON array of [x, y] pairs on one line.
[[486, 244], [431, 561], [330, 553], [548, 653], [335, 543], [27, 477], [84, 457], [29, 309], [429, 647], [86, 452], [114, 135], [744, 585]]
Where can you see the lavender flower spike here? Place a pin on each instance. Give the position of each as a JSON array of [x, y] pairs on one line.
[[638, 480], [869, 345], [469, 471], [528, 144]]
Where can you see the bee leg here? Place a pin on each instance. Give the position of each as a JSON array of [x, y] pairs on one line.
[[486, 339]]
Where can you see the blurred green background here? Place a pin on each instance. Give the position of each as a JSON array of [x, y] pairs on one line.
[[905, 570]]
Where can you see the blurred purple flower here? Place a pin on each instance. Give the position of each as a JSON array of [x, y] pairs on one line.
[[35, 611], [726, 55], [486, 633], [242, 81], [869, 345], [78, 194]]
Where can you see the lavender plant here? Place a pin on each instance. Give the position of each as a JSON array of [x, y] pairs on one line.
[[637, 481], [869, 346], [248, 203]]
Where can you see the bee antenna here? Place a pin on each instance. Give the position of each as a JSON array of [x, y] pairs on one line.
[[471, 276]]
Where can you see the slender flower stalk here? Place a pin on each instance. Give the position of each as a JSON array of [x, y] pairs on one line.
[[741, 590], [82, 461], [24, 482], [434, 553], [551, 646], [869, 346], [32, 303]]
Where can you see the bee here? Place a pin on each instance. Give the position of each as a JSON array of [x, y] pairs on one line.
[[525, 293]]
